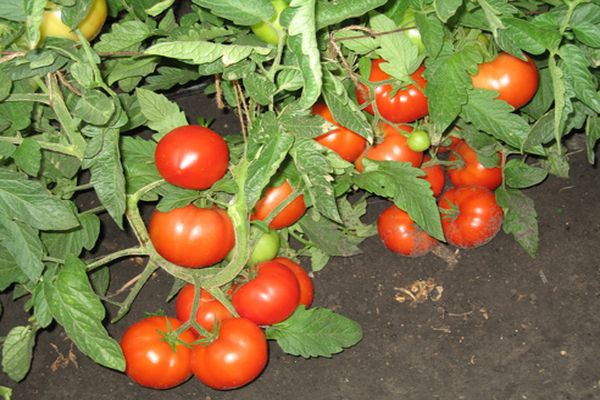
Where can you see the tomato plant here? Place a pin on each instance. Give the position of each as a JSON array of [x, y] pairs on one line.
[[269, 298], [272, 198], [411, 32], [401, 235], [152, 361], [210, 310], [349, 145], [472, 172], [307, 289], [471, 216], [234, 359], [435, 176], [515, 80], [404, 105], [393, 147], [192, 157], [271, 31], [90, 26], [191, 236], [418, 141]]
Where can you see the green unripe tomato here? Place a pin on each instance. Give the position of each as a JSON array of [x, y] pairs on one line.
[[412, 34], [419, 141], [270, 32], [266, 248]]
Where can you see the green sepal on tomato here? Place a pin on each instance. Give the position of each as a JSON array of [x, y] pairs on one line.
[[399, 106], [150, 359], [90, 26], [235, 358], [191, 236]]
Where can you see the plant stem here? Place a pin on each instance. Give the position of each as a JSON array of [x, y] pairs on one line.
[[129, 252], [55, 147], [146, 274]]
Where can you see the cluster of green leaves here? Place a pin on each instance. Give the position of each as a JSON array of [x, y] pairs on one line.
[[68, 111]]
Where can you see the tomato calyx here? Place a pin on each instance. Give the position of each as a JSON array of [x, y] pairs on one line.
[[452, 211]]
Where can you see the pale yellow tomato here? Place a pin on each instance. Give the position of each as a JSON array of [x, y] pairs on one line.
[[90, 27]]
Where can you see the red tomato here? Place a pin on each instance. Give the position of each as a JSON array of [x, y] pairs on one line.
[[435, 177], [234, 359], [192, 236], [401, 235], [407, 105], [150, 361], [192, 157], [472, 172], [307, 289], [394, 147], [269, 298], [470, 216], [453, 141], [348, 144], [272, 198], [209, 309], [516, 80]]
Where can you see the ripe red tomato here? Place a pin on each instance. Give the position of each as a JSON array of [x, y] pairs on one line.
[[453, 141], [435, 176], [470, 216], [209, 310], [516, 80], [406, 105], [150, 361], [307, 289], [348, 144], [394, 147], [234, 359], [191, 236], [472, 172], [269, 298], [272, 198], [192, 157], [401, 235], [90, 26]]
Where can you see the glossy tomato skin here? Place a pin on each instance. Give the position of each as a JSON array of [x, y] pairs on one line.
[[209, 310], [348, 144], [269, 298], [272, 198], [435, 176], [406, 105], [516, 80], [90, 26], [393, 147], [419, 141], [269, 32], [472, 172], [477, 217], [150, 361], [192, 157], [234, 359], [307, 289], [266, 247], [401, 235], [191, 236]]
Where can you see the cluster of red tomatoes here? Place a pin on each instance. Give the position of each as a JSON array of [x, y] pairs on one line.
[[224, 347]]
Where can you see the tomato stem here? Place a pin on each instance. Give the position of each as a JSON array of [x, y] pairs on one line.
[[135, 290], [129, 252]]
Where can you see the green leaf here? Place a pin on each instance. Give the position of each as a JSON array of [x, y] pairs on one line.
[[74, 13], [401, 182], [170, 76], [9, 270], [432, 33], [587, 33], [247, 12], [17, 352], [176, 197], [401, 54], [159, 8], [30, 202], [328, 236], [333, 12], [351, 214], [28, 157], [123, 36], [520, 175], [138, 161], [556, 163], [76, 307], [41, 310], [6, 392], [108, 177], [592, 135], [531, 37], [202, 52], [259, 88], [445, 9], [317, 175], [73, 241], [316, 332], [35, 12], [301, 124], [543, 99], [576, 67], [345, 111], [303, 43], [562, 101], [131, 68], [23, 244], [495, 117], [100, 280], [520, 218], [162, 114], [94, 107], [356, 41], [13, 10]]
